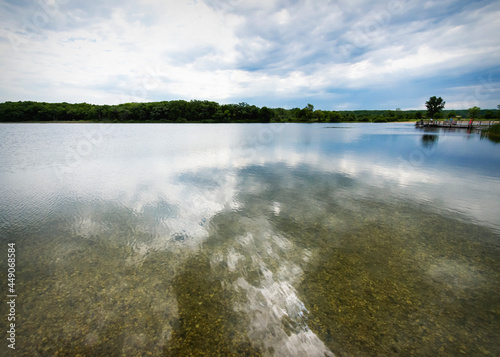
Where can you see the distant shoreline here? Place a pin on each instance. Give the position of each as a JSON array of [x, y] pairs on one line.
[[197, 111], [215, 123], [178, 123]]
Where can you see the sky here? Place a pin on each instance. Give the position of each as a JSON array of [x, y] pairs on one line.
[[336, 55]]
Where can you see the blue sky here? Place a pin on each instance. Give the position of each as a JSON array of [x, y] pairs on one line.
[[340, 55]]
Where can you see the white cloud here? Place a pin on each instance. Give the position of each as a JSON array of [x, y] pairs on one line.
[[233, 50]]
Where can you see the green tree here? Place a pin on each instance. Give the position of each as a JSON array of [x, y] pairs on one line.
[[474, 112], [306, 114], [399, 114], [452, 114], [281, 115], [434, 105], [334, 117], [319, 115], [489, 115], [265, 115]]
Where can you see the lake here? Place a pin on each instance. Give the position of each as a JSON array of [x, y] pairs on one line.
[[251, 239]]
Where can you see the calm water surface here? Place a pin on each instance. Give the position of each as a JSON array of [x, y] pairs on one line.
[[274, 240]]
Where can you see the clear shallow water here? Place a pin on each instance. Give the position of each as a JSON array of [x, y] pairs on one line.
[[292, 239]]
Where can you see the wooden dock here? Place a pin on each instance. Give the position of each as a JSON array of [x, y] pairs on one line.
[[476, 125]]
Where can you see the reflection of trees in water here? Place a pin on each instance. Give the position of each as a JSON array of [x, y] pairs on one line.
[[428, 141]]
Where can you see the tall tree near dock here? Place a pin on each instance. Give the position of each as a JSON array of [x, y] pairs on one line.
[[434, 105], [474, 112]]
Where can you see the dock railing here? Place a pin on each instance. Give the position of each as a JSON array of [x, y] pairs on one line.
[[459, 124]]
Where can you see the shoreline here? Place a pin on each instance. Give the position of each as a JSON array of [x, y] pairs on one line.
[[201, 122]]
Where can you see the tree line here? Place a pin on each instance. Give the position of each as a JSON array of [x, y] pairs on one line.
[[197, 111]]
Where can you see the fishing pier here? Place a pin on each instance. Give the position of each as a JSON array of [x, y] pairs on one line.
[[473, 125]]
